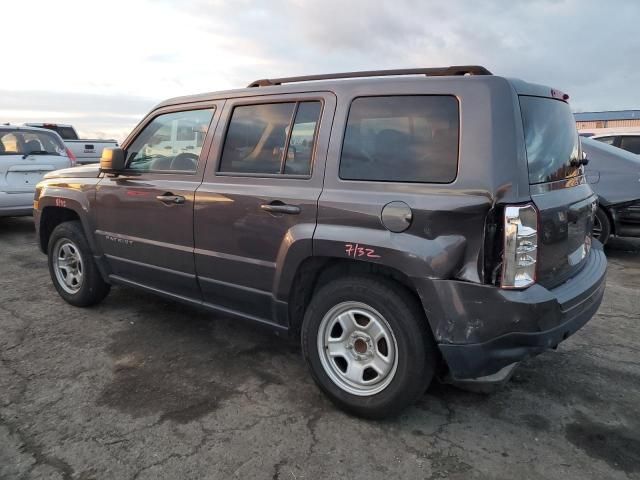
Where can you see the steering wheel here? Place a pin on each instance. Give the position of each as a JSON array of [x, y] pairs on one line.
[[184, 161]]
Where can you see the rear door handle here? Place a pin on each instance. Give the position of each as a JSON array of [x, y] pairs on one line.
[[280, 207], [170, 198]]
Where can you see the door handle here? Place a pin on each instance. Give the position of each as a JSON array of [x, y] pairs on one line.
[[279, 207], [170, 198]]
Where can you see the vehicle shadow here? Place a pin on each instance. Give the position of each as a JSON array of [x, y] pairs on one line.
[[623, 247], [12, 226]]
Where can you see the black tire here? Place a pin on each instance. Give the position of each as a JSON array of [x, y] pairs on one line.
[[92, 289], [417, 356], [602, 226]]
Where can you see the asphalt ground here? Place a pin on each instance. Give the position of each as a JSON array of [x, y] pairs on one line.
[[143, 388]]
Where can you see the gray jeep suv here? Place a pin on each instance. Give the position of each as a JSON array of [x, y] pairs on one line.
[[403, 224]]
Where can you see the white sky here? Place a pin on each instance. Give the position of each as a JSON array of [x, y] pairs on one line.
[[102, 65]]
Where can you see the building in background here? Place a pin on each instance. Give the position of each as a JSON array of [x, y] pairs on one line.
[[608, 122]]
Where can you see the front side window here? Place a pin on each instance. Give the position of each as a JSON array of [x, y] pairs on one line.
[[274, 138], [401, 139], [170, 142]]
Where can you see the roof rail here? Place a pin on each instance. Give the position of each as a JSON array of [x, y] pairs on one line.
[[429, 72]]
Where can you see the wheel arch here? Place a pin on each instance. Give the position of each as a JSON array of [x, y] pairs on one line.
[[610, 216], [314, 272], [50, 218]]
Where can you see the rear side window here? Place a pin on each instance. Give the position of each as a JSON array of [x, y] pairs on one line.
[[401, 139], [551, 139], [630, 143], [273, 138]]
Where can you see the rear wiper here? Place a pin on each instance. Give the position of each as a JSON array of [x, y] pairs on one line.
[[36, 152]]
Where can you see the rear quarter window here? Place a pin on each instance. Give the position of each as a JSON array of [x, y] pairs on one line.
[[401, 139]]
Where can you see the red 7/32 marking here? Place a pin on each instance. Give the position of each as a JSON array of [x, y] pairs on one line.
[[355, 250]]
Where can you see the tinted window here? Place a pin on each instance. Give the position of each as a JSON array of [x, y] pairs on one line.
[[401, 139], [551, 139], [630, 143], [303, 135], [256, 138], [67, 133], [30, 142], [607, 140], [170, 142]]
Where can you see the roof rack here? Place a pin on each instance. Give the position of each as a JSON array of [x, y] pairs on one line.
[[429, 72]]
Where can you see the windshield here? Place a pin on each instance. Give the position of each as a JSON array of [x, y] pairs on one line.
[[551, 138], [30, 142]]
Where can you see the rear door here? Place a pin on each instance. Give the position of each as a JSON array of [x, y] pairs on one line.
[[558, 188], [144, 216], [258, 202]]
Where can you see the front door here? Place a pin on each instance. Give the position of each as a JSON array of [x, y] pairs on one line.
[[258, 201], [144, 216]]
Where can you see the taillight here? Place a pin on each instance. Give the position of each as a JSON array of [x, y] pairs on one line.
[[72, 157], [520, 253]]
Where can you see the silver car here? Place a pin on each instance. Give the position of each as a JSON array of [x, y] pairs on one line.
[[26, 154]]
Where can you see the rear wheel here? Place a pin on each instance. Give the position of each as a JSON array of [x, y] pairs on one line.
[[368, 346], [601, 226], [72, 268]]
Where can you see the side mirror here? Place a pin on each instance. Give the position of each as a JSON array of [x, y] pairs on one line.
[[112, 160]]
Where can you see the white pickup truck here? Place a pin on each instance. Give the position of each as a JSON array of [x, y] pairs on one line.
[[84, 150]]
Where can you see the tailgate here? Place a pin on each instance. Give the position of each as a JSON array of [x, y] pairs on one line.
[[21, 175], [565, 202], [565, 224], [88, 150]]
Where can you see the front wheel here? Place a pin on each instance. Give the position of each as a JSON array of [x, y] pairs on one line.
[[72, 268], [601, 226], [368, 346]]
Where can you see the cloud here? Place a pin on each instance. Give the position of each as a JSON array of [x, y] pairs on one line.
[[142, 52], [577, 46], [92, 115]]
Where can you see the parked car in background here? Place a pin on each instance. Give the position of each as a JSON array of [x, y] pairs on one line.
[[356, 215], [26, 154], [614, 175], [626, 141], [85, 150]]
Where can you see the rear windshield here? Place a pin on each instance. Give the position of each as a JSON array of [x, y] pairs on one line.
[[21, 142], [67, 133], [551, 138]]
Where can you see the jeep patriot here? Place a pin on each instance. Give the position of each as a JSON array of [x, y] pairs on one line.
[[403, 224]]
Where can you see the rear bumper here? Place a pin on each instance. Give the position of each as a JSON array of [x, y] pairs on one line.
[[491, 328]]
